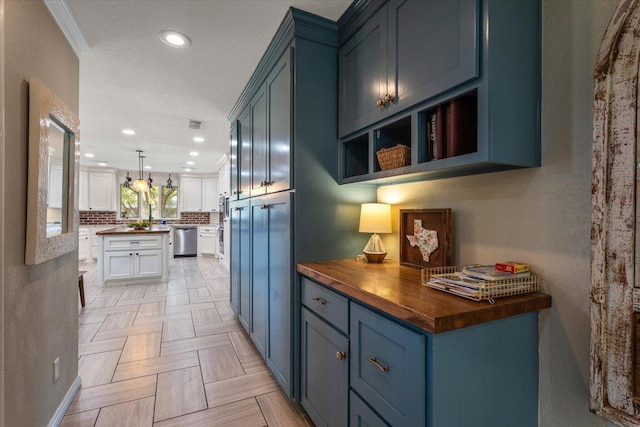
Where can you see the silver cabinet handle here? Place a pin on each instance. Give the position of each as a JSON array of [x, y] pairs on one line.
[[377, 364], [319, 301]]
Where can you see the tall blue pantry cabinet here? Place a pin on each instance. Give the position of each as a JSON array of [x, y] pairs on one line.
[[286, 204]]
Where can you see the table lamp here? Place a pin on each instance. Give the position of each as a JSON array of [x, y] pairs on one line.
[[375, 218]]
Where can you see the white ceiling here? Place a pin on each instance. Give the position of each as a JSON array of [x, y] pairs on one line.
[[130, 79]]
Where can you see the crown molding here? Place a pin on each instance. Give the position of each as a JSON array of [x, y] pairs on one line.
[[63, 16]]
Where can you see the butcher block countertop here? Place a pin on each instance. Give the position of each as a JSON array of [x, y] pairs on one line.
[[129, 230], [397, 291]]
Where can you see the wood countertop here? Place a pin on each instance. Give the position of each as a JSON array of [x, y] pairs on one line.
[[127, 230], [397, 290]]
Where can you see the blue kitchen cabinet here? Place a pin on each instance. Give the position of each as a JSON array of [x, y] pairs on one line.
[[239, 266], [300, 212], [406, 52], [324, 388], [233, 161], [462, 88], [361, 415]]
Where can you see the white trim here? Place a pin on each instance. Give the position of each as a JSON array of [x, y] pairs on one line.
[[63, 16], [56, 420]]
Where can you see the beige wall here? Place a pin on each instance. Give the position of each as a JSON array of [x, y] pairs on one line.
[[40, 302], [542, 215]]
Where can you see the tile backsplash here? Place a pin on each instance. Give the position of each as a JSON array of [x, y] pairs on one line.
[[109, 217]]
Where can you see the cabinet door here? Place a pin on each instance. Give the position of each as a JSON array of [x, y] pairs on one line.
[[207, 243], [324, 372], [360, 415], [148, 263], [101, 191], [55, 186], [240, 261], [232, 186], [244, 154], [83, 190], [433, 47], [210, 196], [362, 75], [259, 143], [388, 367], [280, 282], [118, 265], [259, 273], [191, 194], [279, 95], [84, 246]]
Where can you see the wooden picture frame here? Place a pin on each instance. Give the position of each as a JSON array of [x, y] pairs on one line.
[[438, 220], [54, 149]]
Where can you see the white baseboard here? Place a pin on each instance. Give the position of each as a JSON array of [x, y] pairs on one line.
[[56, 420]]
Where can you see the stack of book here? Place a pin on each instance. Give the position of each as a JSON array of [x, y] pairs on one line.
[[485, 282], [452, 128]]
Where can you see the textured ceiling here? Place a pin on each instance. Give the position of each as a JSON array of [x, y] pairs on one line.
[[130, 79]]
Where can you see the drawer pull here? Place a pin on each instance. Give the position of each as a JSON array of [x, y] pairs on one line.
[[237, 209], [375, 363], [135, 243], [264, 206], [319, 300], [341, 355]]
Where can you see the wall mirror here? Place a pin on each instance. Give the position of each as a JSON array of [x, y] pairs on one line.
[[52, 214]]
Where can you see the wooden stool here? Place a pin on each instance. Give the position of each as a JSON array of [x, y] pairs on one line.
[[81, 285]]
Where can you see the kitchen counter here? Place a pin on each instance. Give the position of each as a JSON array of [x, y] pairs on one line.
[[397, 290], [129, 230]]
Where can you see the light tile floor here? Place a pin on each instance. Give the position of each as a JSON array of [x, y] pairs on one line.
[[172, 354]]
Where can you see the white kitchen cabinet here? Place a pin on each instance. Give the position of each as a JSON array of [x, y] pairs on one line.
[[101, 195], [83, 191], [208, 241], [55, 186], [224, 179], [198, 194], [129, 258], [84, 244]]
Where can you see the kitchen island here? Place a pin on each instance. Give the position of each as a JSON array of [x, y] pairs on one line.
[[128, 256]]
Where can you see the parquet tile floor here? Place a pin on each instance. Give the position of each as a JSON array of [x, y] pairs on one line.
[[172, 354]]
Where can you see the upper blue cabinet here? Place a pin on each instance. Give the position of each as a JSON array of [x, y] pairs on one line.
[[408, 51], [455, 82]]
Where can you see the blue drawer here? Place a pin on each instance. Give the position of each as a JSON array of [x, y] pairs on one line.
[[361, 415], [327, 304], [388, 367]]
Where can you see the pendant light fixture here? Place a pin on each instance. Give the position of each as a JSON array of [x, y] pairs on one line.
[[127, 181], [140, 185], [169, 183], [149, 181]]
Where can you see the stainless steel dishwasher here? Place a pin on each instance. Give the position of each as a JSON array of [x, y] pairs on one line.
[[185, 241]]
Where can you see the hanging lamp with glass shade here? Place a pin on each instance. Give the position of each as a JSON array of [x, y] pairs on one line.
[[140, 185], [169, 183], [127, 181]]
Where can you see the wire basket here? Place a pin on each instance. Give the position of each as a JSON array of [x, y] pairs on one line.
[[481, 290], [394, 157]]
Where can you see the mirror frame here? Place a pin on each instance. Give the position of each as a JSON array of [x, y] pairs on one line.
[[44, 105]]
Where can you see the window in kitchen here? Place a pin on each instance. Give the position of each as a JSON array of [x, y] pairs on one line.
[[162, 202]]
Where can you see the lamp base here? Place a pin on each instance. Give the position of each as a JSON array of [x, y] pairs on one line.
[[377, 257]]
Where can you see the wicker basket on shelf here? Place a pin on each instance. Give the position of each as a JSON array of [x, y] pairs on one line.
[[394, 157]]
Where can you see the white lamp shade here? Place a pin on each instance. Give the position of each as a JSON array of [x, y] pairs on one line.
[[375, 218], [140, 186]]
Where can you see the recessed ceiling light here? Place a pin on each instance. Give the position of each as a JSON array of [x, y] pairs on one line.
[[193, 153], [128, 131], [147, 167], [187, 169], [174, 39], [190, 163], [102, 163], [89, 155], [198, 139]]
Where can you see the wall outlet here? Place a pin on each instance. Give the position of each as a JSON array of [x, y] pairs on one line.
[[56, 369]]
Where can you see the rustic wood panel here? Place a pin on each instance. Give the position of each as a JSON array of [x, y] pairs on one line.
[[396, 290], [613, 233]]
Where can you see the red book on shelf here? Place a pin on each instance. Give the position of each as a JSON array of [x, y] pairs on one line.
[[462, 126]]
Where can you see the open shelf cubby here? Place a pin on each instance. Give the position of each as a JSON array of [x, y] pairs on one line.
[[388, 136], [449, 129], [356, 156]]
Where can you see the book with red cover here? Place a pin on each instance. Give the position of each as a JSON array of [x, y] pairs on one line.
[[462, 126], [440, 133]]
